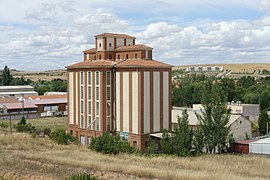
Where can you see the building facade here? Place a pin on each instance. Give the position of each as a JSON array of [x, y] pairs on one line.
[[119, 88]]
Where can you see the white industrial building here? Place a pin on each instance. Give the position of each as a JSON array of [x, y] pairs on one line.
[[240, 126], [262, 146], [17, 91]]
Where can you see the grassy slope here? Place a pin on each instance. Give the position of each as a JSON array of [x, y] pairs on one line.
[[41, 157]]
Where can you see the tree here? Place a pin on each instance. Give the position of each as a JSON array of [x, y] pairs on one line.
[[214, 118], [246, 81], [182, 136], [6, 77], [180, 141], [263, 122]]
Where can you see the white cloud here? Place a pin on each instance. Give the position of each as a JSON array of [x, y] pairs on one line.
[[53, 33], [7, 28], [264, 6]]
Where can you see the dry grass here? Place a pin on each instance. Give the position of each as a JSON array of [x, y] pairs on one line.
[[42, 157], [47, 122], [41, 75], [241, 68]]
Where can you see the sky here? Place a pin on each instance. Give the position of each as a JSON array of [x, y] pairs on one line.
[[51, 34]]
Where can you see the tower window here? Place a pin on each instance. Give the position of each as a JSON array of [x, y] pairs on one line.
[[99, 56], [126, 56], [110, 44], [99, 44], [94, 57], [136, 55], [110, 56], [118, 56]]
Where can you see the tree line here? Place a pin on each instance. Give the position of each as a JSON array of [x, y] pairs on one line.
[[188, 90], [40, 86]]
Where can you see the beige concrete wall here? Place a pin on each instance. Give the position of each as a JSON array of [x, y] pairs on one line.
[[156, 99], [71, 99], [240, 127], [135, 103], [166, 100], [125, 97], [146, 102], [118, 101]]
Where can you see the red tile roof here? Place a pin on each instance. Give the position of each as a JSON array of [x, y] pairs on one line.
[[92, 50], [19, 105], [8, 100], [53, 96], [93, 64], [115, 35], [133, 47], [142, 63], [120, 64]]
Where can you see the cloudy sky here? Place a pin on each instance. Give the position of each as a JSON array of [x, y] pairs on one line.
[[51, 34]]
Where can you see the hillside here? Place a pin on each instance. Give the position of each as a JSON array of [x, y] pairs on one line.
[[26, 158], [41, 75], [240, 68]]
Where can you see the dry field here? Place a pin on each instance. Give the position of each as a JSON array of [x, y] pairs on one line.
[[41, 75], [23, 157], [240, 68], [47, 122]]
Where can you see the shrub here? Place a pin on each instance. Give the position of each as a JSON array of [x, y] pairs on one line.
[[47, 131], [22, 121], [4, 125], [25, 127], [82, 177], [108, 144], [59, 136]]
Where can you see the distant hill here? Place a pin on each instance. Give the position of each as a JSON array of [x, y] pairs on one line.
[[42, 75], [239, 68]]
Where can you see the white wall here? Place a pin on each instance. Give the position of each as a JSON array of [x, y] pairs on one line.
[[166, 100], [118, 101], [240, 127], [99, 40], [125, 97], [119, 42], [146, 102], [129, 42], [77, 97], [110, 40], [71, 103], [156, 101], [135, 102]]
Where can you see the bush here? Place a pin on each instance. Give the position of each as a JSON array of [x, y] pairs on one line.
[[108, 144], [82, 177], [25, 128], [60, 137], [4, 125], [47, 131], [22, 121]]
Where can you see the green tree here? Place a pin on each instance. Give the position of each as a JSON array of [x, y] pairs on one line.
[[214, 118], [246, 81], [198, 141], [182, 136], [263, 122], [6, 77], [180, 141], [166, 142]]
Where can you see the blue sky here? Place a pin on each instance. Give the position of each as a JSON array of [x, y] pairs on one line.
[[51, 34]]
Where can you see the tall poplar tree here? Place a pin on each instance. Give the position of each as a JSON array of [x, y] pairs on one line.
[[214, 118], [263, 122], [6, 76]]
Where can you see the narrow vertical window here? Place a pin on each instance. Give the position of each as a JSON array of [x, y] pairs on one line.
[[146, 54]]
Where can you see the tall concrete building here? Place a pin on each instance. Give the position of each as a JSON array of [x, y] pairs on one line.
[[119, 88]]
